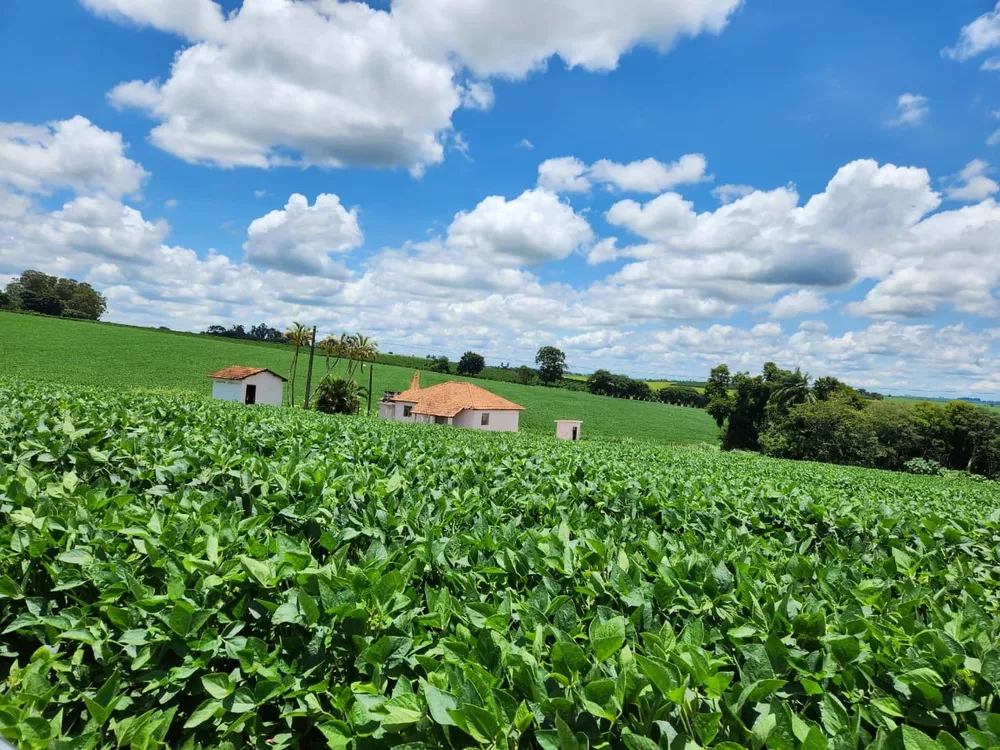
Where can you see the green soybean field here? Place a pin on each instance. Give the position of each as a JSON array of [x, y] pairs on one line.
[[182, 573]]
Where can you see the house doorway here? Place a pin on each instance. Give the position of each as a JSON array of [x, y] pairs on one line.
[[575, 433], [251, 397]]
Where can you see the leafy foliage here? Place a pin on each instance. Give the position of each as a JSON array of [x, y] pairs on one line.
[[605, 383], [337, 396], [471, 364], [525, 375], [259, 332], [551, 364], [182, 573], [34, 291]]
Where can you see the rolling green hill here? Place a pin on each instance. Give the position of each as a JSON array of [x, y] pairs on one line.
[[85, 353]]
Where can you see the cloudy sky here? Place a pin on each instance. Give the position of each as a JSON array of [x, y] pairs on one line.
[[655, 186]]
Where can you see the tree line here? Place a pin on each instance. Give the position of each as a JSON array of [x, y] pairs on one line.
[[259, 332], [605, 383], [37, 292], [780, 413]]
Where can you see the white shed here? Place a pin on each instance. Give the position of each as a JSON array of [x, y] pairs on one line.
[[568, 429], [247, 385]]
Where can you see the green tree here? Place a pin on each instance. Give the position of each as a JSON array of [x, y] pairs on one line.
[[789, 390], [720, 400], [601, 383], [471, 364], [440, 364], [39, 292], [525, 375], [830, 431], [551, 364], [298, 335]]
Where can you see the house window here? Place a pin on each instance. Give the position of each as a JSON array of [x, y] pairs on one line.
[[407, 411], [440, 420], [485, 420]]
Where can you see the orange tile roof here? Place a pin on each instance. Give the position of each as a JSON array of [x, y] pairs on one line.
[[241, 373], [448, 399]]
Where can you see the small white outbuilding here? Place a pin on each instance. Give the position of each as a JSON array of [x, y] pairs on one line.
[[247, 385], [568, 429]]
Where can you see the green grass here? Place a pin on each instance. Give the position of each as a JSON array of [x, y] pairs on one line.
[[84, 353]]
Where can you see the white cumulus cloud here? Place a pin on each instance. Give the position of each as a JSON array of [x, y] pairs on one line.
[[71, 154], [650, 175], [977, 37], [971, 184], [565, 174], [529, 230], [339, 83], [301, 238]]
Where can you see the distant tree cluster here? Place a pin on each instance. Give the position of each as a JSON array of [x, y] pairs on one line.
[[870, 395], [259, 332], [604, 383], [779, 413], [439, 364], [34, 291], [682, 396], [525, 375]]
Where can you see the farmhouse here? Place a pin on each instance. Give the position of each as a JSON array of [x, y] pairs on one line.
[[248, 385], [458, 404]]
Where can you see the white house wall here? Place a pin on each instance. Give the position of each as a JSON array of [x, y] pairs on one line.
[[564, 430], [394, 410], [505, 420], [269, 387], [227, 390]]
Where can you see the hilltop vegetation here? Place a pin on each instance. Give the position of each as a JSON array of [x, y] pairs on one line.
[[182, 573], [783, 414], [83, 353]]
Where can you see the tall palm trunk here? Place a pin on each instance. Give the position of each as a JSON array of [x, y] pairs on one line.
[[291, 383]]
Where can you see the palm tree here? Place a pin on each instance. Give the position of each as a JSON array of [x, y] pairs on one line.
[[792, 392], [331, 346], [340, 347], [298, 334], [362, 349]]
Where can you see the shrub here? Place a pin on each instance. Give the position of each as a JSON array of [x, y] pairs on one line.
[[337, 396], [924, 466]]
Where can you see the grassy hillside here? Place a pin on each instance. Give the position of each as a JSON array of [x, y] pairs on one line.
[[84, 353]]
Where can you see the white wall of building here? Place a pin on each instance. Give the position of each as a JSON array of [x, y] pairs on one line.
[[500, 420], [269, 389], [227, 390], [564, 429], [395, 410]]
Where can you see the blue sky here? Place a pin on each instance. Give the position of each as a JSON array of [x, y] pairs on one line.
[[449, 175]]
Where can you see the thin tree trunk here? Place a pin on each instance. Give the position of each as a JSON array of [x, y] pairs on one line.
[[291, 385]]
